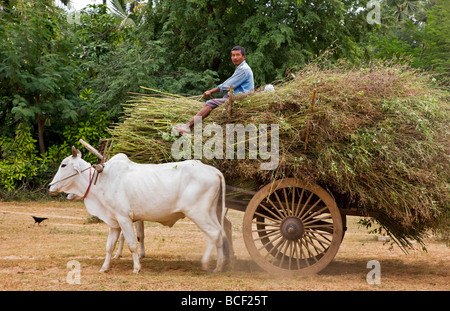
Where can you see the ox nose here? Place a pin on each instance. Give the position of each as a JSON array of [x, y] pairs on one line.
[[52, 191]]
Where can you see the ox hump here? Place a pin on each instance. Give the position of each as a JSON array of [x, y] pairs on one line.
[[119, 157]]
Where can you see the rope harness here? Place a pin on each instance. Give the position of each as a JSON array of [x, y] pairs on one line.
[[90, 183], [73, 175]]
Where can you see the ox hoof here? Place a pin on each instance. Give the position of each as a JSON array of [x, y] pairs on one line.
[[221, 268], [103, 270], [117, 257], [205, 266], [136, 271]]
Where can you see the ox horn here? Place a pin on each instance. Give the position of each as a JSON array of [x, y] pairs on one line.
[[75, 152]]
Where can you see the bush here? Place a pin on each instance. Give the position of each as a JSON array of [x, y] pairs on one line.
[[19, 159], [21, 166]]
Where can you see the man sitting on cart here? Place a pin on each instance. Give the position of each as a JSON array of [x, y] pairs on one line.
[[241, 81]]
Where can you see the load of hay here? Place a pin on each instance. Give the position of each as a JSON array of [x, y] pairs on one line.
[[377, 140]]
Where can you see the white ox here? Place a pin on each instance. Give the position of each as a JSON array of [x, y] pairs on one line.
[[127, 192]]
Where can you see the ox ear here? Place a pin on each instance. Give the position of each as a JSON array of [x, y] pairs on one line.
[[76, 166], [76, 152]]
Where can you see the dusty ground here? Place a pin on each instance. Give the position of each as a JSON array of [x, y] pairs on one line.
[[35, 257]]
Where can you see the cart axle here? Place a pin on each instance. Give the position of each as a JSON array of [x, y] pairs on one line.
[[292, 228]]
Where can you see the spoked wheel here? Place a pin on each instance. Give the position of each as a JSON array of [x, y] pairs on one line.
[[292, 227]]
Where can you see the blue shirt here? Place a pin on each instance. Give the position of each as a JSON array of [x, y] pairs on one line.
[[241, 80]]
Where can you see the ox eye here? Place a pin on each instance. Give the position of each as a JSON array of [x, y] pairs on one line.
[[63, 165]]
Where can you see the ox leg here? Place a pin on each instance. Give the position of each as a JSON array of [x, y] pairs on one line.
[[120, 248], [207, 254], [139, 225], [130, 237], [110, 245], [220, 265], [214, 238]]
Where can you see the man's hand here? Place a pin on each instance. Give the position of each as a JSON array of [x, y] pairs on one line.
[[207, 94], [210, 92]]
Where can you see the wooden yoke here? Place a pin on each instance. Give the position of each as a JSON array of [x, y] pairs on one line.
[[103, 158], [92, 150]]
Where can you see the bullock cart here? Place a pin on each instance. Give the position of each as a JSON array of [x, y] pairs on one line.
[[290, 226], [375, 141]]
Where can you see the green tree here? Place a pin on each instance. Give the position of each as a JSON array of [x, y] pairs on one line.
[[184, 46], [37, 75], [96, 34], [435, 55], [403, 9], [415, 30], [199, 34]]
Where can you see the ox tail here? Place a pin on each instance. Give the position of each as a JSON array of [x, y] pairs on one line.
[[226, 246]]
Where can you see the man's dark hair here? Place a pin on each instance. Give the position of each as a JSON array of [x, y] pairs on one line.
[[239, 48]]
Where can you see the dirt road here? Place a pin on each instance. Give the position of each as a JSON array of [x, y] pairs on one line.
[[65, 252]]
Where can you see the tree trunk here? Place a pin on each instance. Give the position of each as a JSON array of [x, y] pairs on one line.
[[41, 122]]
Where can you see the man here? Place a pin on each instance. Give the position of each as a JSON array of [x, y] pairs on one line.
[[241, 81]]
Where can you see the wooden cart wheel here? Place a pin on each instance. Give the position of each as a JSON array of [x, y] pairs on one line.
[[292, 227]]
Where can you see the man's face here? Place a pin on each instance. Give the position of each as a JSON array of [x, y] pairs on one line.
[[237, 58]]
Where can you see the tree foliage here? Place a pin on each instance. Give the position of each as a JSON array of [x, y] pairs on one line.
[[436, 41], [36, 74], [65, 78], [417, 30], [276, 34]]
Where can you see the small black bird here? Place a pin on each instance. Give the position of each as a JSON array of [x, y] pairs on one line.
[[38, 220]]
